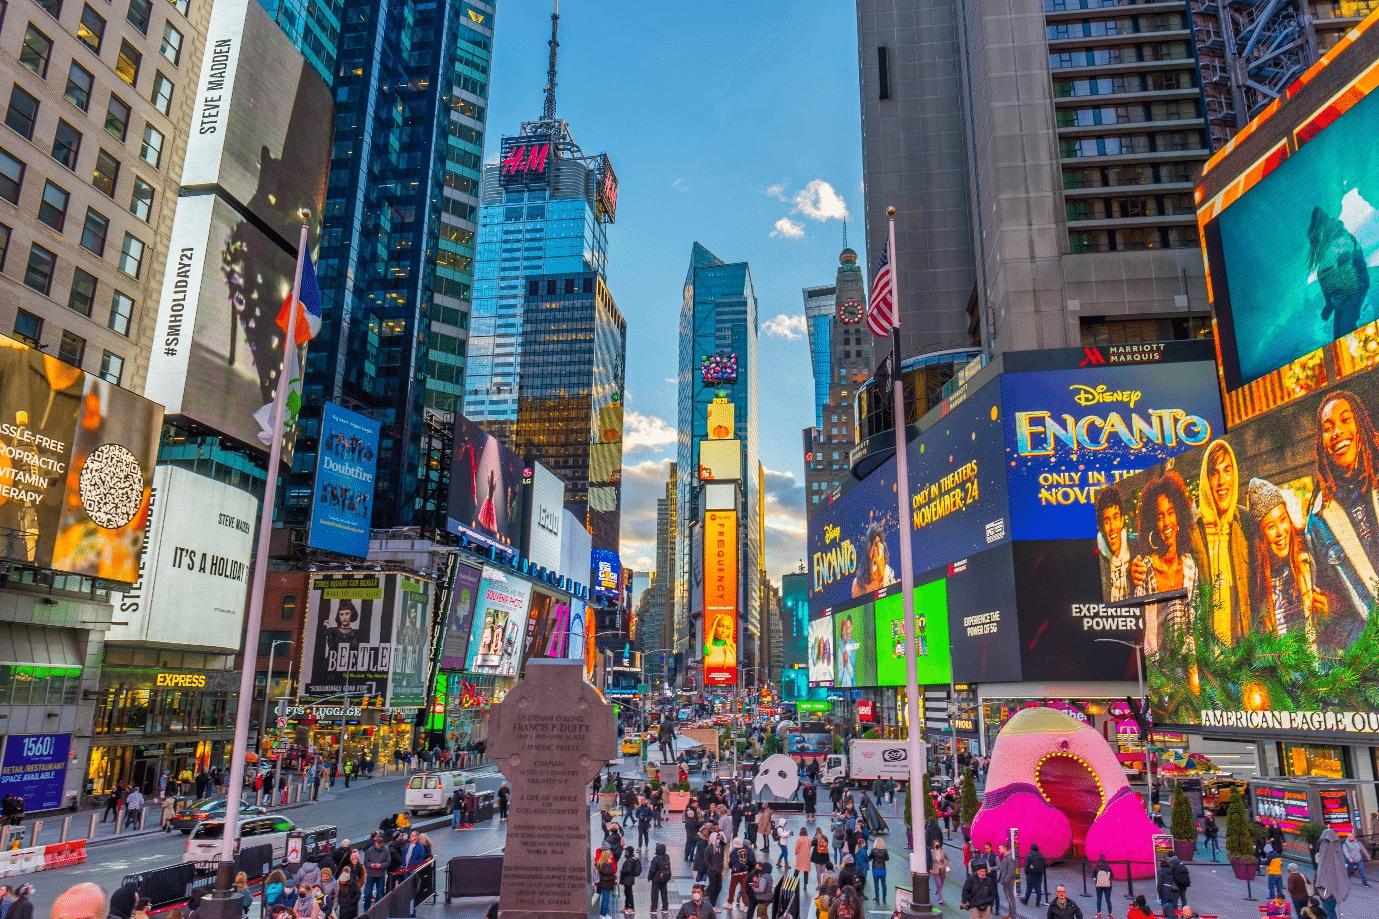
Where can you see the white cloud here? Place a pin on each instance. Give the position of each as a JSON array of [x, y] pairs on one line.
[[791, 328], [818, 201], [788, 228], [785, 522], [678, 185], [645, 432], [776, 191], [642, 484]]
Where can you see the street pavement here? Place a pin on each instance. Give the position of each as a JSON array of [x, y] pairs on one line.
[[356, 811]]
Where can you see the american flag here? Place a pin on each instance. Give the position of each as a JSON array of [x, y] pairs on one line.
[[881, 317]]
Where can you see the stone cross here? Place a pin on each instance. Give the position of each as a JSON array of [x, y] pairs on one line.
[[550, 736]]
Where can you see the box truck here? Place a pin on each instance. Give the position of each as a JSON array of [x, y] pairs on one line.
[[866, 761]]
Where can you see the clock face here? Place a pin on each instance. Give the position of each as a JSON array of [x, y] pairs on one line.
[[850, 311]]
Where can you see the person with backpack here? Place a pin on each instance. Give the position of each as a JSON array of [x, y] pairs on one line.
[[659, 875], [1211, 834], [1181, 878], [818, 855], [607, 880], [1035, 866], [645, 814], [840, 836], [1101, 876], [628, 873], [761, 889], [1167, 889]]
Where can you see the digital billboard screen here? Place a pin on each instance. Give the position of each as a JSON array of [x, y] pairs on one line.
[[933, 660], [548, 627], [1069, 432], [485, 489], [500, 616], [607, 572], [1286, 215], [718, 368], [957, 500], [720, 598], [545, 498], [342, 503], [854, 637], [1264, 541], [984, 630], [407, 682], [76, 467], [460, 619], [822, 663]]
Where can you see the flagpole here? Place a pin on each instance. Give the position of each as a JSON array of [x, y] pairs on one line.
[[919, 865], [224, 879]]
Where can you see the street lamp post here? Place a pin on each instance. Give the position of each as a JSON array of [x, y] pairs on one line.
[[268, 689], [1144, 708]]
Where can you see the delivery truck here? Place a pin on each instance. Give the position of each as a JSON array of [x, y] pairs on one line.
[[866, 761]]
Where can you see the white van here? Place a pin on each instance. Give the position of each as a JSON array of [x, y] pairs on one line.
[[204, 842], [434, 791]]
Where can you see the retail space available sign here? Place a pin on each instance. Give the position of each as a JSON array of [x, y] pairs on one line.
[[34, 768]]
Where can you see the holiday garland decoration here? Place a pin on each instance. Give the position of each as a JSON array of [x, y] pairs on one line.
[[1196, 671]]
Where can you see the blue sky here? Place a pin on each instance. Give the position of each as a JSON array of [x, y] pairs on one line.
[[732, 124]]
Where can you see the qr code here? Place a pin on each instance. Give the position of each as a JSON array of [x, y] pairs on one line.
[[111, 486]]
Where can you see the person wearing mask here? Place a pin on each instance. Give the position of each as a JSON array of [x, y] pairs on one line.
[[979, 892], [628, 872], [306, 906], [761, 889], [377, 862], [938, 867], [277, 892], [1060, 907], [347, 900], [659, 874], [122, 901], [696, 907], [607, 880], [1035, 866]]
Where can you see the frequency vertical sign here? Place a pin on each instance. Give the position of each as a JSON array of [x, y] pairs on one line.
[[720, 598]]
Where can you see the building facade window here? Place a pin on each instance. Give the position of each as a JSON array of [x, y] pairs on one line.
[[91, 30], [128, 63], [22, 113], [151, 151], [28, 328], [82, 297], [132, 255], [139, 14], [162, 93], [141, 199], [39, 273], [79, 84], [66, 145], [52, 209], [11, 177], [171, 46], [112, 367], [106, 174], [35, 51], [71, 348], [94, 231], [117, 117], [121, 309]]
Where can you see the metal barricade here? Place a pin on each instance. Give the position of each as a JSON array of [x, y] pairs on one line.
[[473, 876], [417, 887]]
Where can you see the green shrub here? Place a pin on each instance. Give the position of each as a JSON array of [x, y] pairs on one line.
[[609, 787], [872, 734], [1183, 827], [1239, 840], [683, 786], [969, 805]]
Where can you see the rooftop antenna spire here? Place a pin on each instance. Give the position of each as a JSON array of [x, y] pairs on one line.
[[845, 232], [548, 112]]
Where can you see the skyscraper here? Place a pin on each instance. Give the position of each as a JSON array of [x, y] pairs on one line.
[[657, 633], [1041, 170], [840, 349], [396, 257], [547, 343], [718, 361]]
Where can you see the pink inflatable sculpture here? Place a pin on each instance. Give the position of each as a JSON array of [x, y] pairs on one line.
[[1057, 781]]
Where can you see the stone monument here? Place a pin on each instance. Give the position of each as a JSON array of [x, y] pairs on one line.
[[550, 736]]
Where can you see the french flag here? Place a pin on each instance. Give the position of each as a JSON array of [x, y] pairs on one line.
[[309, 311]]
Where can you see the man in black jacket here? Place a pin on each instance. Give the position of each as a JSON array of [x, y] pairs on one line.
[[979, 891], [1060, 907]]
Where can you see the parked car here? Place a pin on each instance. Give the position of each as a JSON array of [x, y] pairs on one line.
[[211, 809]]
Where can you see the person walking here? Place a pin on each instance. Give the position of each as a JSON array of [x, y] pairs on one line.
[[659, 874], [644, 817], [696, 907], [1101, 876], [691, 820], [628, 872], [818, 856], [607, 880], [878, 858], [1035, 866], [1167, 889], [133, 808], [740, 862], [803, 850], [1181, 878], [1060, 907], [938, 868], [978, 893], [1297, 888], [1006, 869], [1211, 835], [713, 863], [1355, 854], [783, 840]]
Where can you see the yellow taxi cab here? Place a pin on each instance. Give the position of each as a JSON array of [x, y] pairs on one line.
[[631, 744]]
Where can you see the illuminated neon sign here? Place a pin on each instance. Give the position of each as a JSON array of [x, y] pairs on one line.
[[521, 160]]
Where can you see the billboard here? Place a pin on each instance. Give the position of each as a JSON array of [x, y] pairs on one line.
[[500, 617], [407, 684], [548, 628], [715, 369], [545, 503], [576, 549], [957, 499], [1062, 615], [485, 489], [822, 662], [342, 503], [219, 351], [230, 266], [460, 619], [34, 768], [194, 570], [720, 418], [720, 460], [933, 660], [984, 631], [607, 572], [1268, 537], [1069, 432], [347, 640], [720, 598], [76, 467], [1286, 216], [854, 637], [524, 160]]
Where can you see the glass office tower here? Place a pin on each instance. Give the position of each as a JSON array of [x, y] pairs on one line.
[[547, 343], [396, 258], [718, 317]]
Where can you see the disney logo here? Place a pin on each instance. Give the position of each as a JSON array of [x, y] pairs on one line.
[[1087, 395], [831, 533]]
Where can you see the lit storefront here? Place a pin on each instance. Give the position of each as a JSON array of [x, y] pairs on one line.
[[316, 729], [150, 721]]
